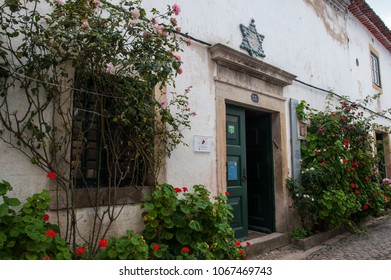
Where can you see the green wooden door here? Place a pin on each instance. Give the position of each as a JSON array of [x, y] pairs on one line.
[[260, 171], [236, 168]]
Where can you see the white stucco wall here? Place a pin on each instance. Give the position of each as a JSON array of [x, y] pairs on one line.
[[304, 37]]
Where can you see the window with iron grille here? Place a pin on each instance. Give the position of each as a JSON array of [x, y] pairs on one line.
[[103, 153], [375, 69]]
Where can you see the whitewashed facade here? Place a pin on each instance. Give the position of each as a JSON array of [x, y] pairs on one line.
[[321, 43]]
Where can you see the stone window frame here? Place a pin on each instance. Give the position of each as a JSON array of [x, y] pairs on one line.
[[375, 69]]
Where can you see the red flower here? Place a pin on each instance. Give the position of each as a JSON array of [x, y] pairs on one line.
[[45, 217], [386, 198], [241, 252], [248, 244], [185, 189], [345, 160], [317, 152], [333, 114], [374, 194], [357, 191], [51, 233], [46, 258], [180, 70], [352, 185], [346, 143], [80, 251], [367, 179], [323, 163], [227, 194], [185, 250], [156, 247], [355, 163], [237, 243], [178, 190], [103, 243], [52, 175], [365, 207], [343, 119]]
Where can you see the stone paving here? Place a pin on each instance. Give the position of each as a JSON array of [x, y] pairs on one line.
[[375, 244]]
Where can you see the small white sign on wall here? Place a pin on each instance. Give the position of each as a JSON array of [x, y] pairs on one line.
[[202, 144]]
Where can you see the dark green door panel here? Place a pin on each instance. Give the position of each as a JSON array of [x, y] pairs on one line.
[[236, 168]]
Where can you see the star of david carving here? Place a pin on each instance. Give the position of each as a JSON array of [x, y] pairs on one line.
[[252, 40]]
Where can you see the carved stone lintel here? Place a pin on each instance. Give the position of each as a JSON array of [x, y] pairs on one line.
[[238, 61]]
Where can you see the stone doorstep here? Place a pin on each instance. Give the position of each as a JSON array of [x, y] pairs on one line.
[[261, 245]]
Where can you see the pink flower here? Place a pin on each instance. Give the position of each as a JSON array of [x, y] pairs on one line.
[[110, 68], [80, 251], [52, 175], [185, 189], [176, 8], [180, 70], [85, 24], [103, 243], [61, 2], [164, 104], [132, 22], [135, 13], [177, 56], [45, 217]]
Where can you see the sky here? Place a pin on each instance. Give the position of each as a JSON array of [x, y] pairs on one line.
[[383, 9]]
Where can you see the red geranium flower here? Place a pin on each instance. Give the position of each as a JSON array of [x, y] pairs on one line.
[[248, 243], [367, 179], [80, 251], [357, 191], [352, 185], [343, 119], [317, 152], [156, 247], [52, 175], [355, 163], [185, 189], [346, 143], [45, 217], [241, 252], [178, 190], [237, 243], [185, 250], [365, 207], [227, 194], [51, 233], [323, 163], [103, 243], [345, 160], [46, 258], [333, 114]]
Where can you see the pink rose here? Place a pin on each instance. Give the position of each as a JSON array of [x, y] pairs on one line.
[[176, 8], [135, 13]]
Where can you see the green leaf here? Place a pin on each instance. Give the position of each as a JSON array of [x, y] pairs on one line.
[[183, 237], [12, 201], [3, 210], [195, 225], [3, 238], [134, 240]]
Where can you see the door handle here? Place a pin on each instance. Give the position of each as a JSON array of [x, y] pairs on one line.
[[244, 177]]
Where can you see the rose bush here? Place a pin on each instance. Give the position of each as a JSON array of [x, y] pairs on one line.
[[340, 180]]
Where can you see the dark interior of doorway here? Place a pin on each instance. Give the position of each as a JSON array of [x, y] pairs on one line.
[[260, 177]]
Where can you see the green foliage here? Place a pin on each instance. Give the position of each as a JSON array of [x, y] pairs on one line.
[[301, 109], [129, 247], [25, 234], [191, 226], [299, 233], [339, 179]]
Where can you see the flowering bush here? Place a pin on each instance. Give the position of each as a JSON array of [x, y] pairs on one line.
[[188, 225], [27, 234], [339, 180]]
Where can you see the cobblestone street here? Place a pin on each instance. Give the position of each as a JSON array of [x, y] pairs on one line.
[[375, 244]]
